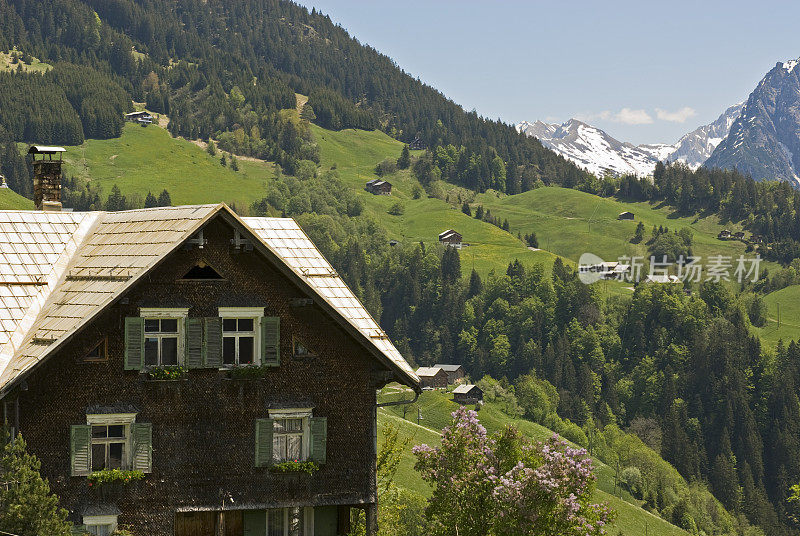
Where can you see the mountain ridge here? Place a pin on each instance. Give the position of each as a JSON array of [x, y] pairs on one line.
[[598, 152], [764, 141]]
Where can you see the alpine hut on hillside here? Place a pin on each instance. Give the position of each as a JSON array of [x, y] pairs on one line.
[[625, 215], [379, 187], [143, 118], [432, 377], [467, 394], [450, 238], [455, 373], [724, 234]]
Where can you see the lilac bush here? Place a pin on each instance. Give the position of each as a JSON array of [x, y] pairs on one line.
[[506, 486]]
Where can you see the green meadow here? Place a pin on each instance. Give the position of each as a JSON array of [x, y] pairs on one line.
[[435, 408], [148, 159], [11, 200], [783, 303]]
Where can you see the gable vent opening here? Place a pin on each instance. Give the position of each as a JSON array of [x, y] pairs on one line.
[[202, 271]]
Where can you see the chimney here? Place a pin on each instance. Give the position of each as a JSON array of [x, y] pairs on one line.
[[46, 177]]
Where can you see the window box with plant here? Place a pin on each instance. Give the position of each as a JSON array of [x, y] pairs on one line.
[[295, 466], [113, 476], [246, 372], [167, 373]]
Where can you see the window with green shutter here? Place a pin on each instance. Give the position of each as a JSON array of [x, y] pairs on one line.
[[134, 342], [80, 449], [264, 431], [319, 439], [142, 449], [271, 341]]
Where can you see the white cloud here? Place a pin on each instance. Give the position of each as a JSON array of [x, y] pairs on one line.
[[626, 116], [678, 116]]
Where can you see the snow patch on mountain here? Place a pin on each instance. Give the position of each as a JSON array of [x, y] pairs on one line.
[[601, 154], [591, 148]]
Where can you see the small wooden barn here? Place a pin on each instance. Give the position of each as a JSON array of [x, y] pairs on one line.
[[432, 377], [451, 238], [467, 394], [738, 235], [455, 372], [379, 187], [724, 234], [627, 215], [143, 118]]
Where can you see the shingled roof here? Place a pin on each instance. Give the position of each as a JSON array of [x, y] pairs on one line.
[[58, 270]]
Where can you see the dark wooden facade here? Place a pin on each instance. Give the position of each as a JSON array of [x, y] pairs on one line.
[[467, 394], [203, 426]]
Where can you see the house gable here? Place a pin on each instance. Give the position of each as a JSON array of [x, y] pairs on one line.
[[125, 246]]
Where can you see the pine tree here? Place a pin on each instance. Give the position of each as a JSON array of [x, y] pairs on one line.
[[164, 200], [116, 201], [211, 148], [479, 212], [27, 507], [465, 209], [405, 158], [223, 160], [234, 163], [475, 284], [150, 201]]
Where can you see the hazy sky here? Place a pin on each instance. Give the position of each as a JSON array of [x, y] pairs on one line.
[[644, 71]]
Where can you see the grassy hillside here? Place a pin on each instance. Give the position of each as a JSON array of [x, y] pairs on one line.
[[570, 222], [355, 154], [788, 301], [11, 200], [435, 408], [149, 159]]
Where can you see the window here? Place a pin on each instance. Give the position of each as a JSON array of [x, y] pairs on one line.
[[108, 446], [160, 341], [240, 335], [110, 440], [201, 271], [300, 349], [288, 521], [288, 440], [100, 525], [238, 341], [163, 336], [290, 435], [98, 352]]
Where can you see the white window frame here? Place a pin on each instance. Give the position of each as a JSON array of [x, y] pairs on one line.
[[308, 519], [256, 313], [295, 413], [113, 419], [166, 313], [99, 521]]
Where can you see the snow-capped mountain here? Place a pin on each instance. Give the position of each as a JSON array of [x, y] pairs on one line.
[[591, 148], [765, 140], [695, 147], [599, 153]]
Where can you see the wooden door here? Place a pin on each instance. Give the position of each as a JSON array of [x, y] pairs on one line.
[[196, 524]]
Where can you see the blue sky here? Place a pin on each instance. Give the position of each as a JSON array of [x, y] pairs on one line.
[[645, 72]]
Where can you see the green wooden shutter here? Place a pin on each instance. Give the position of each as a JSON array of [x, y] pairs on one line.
[[254, 522], [142, 455], [80, 449], [134, 342], [213, 342], [264, 429], [194, 342], [271, 341], [319, 439]]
